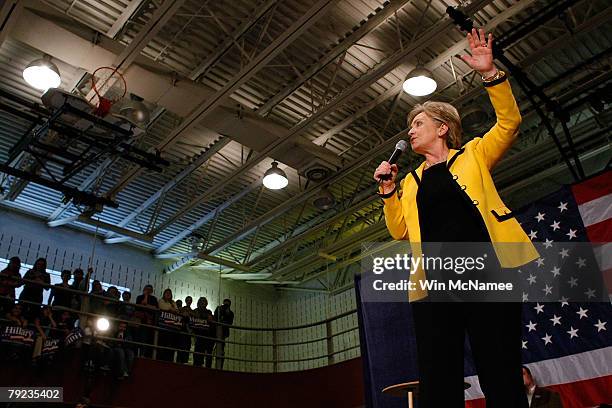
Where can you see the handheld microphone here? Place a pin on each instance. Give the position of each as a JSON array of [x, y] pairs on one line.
[[400, 147]]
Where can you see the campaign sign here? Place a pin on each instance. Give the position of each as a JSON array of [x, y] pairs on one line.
[[18, 335], [170, 320]]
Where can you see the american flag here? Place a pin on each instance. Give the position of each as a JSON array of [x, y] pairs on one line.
[[568, 345]]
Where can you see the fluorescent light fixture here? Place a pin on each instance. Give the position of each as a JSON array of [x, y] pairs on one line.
[[42, 74], [275, 178], [420, 82]]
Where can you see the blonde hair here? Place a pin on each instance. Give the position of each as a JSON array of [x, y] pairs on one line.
[[444, 113]]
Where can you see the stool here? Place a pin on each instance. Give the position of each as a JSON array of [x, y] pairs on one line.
[[409, 389]]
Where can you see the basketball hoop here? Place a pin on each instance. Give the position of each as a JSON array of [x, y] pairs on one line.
[[109, 87]]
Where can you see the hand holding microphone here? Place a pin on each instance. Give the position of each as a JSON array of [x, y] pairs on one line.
[[386, 172]]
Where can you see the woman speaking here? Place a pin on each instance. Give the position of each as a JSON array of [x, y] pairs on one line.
[[451, 197]]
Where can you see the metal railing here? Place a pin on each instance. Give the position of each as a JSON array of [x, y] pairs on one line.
[[278, 354]]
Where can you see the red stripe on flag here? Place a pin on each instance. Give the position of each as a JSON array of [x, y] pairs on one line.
[[592, 188], [600, 232], [579, 394]]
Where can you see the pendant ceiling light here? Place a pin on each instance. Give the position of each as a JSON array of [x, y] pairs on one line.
[[42, 74], [420, 82], [275, 178]]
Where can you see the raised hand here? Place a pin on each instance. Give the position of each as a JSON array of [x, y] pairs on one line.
[[481, 49]]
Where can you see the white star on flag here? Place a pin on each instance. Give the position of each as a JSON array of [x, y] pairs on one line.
[[525, 297], [600, 325], [590, 293], [564, 253], [533, 234], [547, 339], [573, 282], [564, 301], [540, 217], [562, 206], [571, 234], [548, 243], [540, 261], [524, 344], [539, 308], [556, 320], [547, 290], [572, 332], [556, 271], [581, 262], [555, 225], [531, 326], [582, 312], [531, 279]]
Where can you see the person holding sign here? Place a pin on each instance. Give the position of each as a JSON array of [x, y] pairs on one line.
[[168, 319]]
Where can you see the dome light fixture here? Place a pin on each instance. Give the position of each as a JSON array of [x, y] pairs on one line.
[[275, 178], [42, 74], [134, 111], [420, 82]]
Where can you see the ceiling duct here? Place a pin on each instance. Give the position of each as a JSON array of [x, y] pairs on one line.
[[474, 121]]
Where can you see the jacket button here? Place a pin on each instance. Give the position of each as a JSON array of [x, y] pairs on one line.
[[455, 177], [475, 202], [464, 187]]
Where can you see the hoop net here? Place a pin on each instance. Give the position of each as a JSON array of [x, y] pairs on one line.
[[108, 86]]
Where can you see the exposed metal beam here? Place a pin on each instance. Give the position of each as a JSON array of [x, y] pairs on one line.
[[97, 173], [366, 80], [100, 224], [288, 204], [230, 40], [432, 66], [128, 12], [223, 262], [160, 17], [199, 160], [277, 46], [347, 42], [207, 217], [9, 14]]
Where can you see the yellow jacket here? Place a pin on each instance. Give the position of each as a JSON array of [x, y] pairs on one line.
[[472, 171]]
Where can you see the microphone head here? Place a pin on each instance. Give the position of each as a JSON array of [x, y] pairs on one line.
[[401, 145]]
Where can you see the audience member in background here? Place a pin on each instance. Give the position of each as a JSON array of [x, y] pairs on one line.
[[33, 291], [126, 309], [96, 304], [146, 306], [122, 353], [65, 323], [202, 324], [59, 296], [10, 278], [223, 314], [16, 318], [80, 283], [45, 325], [111, 307], [167, 338], [539, 397], [96, 352], [185, 343], [11, 351], [179, 304]]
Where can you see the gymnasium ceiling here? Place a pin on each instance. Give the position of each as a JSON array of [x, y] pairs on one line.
[[233, 85]]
